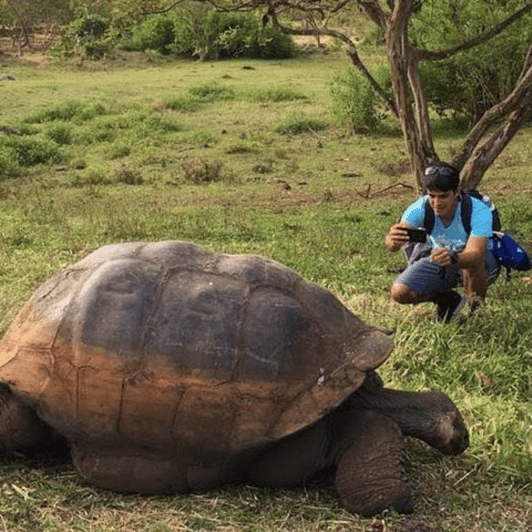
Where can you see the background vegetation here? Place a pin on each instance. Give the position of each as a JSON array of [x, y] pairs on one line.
[[245, 156]]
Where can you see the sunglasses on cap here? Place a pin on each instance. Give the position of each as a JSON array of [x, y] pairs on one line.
[[444, 171]]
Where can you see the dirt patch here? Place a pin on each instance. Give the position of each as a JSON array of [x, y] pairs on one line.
[[35, 55]]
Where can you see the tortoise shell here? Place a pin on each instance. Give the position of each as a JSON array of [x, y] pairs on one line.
[[169, 347]]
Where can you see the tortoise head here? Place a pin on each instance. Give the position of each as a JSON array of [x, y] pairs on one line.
[[432, 417], [444, 427]]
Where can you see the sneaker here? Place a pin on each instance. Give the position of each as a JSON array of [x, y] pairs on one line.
[[449, 305]]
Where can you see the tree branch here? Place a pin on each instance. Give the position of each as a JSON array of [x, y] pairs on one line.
[[520, 93], [357, 63], [479, 39], [374, 11], [484, 155], [352, 52], [161, 11]]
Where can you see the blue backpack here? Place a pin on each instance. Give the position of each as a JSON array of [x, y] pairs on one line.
[[508, 253]]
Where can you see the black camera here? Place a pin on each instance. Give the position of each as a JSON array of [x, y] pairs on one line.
[[416, 235]]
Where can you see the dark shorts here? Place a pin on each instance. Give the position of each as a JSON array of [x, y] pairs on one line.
[[425, 277]]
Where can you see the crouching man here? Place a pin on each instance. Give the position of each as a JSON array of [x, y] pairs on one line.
[[450, 255]]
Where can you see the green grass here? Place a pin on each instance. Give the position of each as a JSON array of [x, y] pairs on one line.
[[197, 151]]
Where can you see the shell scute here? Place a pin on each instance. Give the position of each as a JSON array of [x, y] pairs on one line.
[[196, 324]]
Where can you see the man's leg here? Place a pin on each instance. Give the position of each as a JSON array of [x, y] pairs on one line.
[[403, 294], [422, 281], [475, 284]]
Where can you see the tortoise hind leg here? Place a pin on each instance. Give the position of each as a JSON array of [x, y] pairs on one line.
[[370, 475], [21, 430], [127, 471]]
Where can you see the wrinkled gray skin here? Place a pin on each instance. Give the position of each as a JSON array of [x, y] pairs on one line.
[[362, 441]]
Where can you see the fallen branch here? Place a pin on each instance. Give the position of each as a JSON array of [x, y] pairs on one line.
[[368, 195]]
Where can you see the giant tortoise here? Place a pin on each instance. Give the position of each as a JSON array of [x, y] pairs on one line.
[[170, 368]]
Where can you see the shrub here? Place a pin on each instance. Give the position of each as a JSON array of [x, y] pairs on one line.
[[94, 134], [8, 164], [162, 124], [182, 102], [198, 96], [300, 124], [128, 176], [353, 102], [155, 33], [212, 92], [64, 111], [67, 111], [60, 133], [275, 95], [200, 171], [88, 34], [29, 151], [119, 150], [242, 35], [197, 31]]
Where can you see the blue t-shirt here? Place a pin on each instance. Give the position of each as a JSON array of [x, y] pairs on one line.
[[453, 236]]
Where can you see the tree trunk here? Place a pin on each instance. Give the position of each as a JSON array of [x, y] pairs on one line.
[[403, 68]]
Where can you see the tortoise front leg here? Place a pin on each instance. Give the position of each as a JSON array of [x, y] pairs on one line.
[[370, 476], [20, 428]]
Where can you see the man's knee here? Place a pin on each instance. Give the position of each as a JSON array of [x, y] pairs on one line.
[[402, 294]]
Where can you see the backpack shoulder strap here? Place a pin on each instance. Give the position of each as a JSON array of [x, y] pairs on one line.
[[467, 207], [428, 219]]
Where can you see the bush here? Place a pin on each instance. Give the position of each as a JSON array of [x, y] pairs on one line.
[[212, 92], [197, 31], [60, 133], [353, 102], [8, 164], [67, 111], [198, 96], [199, 171], [29, 151], [64, 111], [182, 102], [88, 34], [295, 125], [155, 33], [242, 35], [276, 95]]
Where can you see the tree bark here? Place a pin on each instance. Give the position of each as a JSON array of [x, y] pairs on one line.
[[403, 67]]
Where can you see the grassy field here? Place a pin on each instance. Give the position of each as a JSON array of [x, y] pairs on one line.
[[243, 157]]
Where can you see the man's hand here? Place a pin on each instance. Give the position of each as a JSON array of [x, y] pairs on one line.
[[442, 256], [396, 237]]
